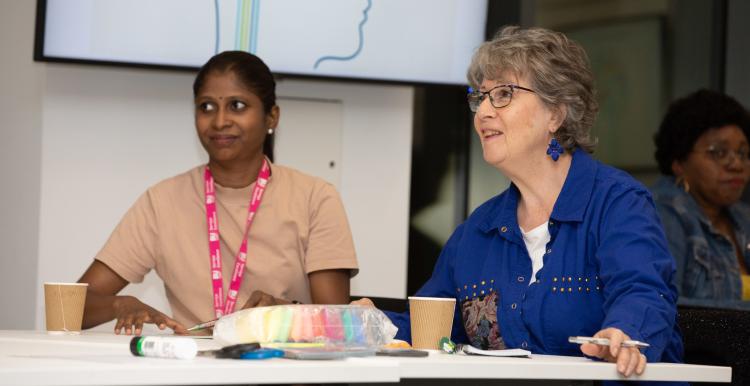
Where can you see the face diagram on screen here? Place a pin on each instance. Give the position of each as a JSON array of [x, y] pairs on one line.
[[315, 32], [414, 40]]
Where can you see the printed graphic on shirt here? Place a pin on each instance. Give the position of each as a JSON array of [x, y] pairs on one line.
[[480, 321]]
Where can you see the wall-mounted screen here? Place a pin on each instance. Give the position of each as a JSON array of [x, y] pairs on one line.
[[421, 41]]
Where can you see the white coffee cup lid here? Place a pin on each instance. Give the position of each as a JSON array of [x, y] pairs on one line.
[[427, 298], [55, 283]]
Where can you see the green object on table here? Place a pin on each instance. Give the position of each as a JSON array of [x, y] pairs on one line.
[[447, 345]]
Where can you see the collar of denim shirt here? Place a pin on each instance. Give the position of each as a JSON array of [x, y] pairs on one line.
[[666, 189]]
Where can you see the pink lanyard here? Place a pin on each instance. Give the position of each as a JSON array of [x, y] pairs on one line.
[[222, 307]]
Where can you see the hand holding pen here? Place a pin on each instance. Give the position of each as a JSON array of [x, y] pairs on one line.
[[605, 341], [628, 356], [203, 326], [257, 299]]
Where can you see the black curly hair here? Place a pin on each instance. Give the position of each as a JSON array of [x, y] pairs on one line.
[[688, 118]]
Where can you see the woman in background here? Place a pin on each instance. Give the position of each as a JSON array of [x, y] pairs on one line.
[[572, 247], [195, 229], [702, 150]]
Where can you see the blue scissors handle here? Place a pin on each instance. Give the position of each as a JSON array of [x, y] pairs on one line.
[[262, 353]]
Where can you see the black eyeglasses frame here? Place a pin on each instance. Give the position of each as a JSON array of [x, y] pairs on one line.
[[476, 97]]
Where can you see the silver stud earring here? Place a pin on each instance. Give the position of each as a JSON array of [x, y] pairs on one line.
[[270, 131]]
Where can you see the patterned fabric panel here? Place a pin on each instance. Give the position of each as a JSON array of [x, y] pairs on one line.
[[480, 321]]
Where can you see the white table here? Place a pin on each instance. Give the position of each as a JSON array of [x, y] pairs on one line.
[[551, 367], [36, 358]]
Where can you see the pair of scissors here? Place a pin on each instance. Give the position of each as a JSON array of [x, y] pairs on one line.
[[244, 351]]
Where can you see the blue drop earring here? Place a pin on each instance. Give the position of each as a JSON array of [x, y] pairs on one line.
[[554, 149]]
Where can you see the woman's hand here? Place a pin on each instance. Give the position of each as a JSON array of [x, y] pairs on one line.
[[262, 299], [330, 286], [628, 359], [131, 314], [363, 302], [102, 304]]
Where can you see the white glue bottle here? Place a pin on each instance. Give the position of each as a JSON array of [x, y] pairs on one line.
[[163, 347]]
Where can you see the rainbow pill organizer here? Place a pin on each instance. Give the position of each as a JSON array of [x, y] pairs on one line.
[[339, 325]]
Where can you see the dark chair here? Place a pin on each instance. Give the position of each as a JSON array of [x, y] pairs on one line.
[[716, 336], [387, 304]]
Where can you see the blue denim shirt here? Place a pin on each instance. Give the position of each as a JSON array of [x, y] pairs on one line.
[[707, 269], [607, 265]]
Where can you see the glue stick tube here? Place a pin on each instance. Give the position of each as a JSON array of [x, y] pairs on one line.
[[163, 347]]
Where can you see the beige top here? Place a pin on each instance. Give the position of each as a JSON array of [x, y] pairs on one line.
[[300, 227]]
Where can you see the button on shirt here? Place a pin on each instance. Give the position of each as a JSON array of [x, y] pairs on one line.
[[607, 265]]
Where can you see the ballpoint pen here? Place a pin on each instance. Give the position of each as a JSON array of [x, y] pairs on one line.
[[605, 341], [203, 326]]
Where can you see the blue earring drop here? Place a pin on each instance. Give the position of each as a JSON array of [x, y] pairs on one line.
[[554, 149]]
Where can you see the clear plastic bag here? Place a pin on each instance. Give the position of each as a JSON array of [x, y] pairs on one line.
[[344, 325]]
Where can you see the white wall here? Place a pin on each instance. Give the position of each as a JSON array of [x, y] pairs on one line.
[[375, 175], [107, 134], [20, 150], [85, 141]]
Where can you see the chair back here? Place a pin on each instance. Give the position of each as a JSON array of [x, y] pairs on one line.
[[719, 337]]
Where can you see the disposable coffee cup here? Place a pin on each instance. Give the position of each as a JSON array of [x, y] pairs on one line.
[[63, 306], [431, 319]]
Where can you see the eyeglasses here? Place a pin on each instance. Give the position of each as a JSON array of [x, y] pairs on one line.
[[724, 157], [500, 96]]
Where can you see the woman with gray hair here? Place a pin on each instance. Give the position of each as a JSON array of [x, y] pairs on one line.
[[572, 247]]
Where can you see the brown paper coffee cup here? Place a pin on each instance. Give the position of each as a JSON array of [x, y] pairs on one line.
[[63, 305], [431, 319]]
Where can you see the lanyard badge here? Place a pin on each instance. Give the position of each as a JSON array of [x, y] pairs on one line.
[[222, 305]]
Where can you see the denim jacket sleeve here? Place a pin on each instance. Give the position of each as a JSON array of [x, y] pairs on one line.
[[439, 285], [677, 238], [636, 269]]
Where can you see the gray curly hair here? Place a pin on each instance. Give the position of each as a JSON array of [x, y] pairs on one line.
[[558, 69]]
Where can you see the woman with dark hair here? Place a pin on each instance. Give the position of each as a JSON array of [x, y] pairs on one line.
[[702, 150], [238, 217]]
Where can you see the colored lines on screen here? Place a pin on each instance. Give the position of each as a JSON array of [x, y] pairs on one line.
[[246, 28], [217, 24], [361, 41]]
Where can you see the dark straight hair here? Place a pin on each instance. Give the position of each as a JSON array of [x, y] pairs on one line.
[[254, 75]]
